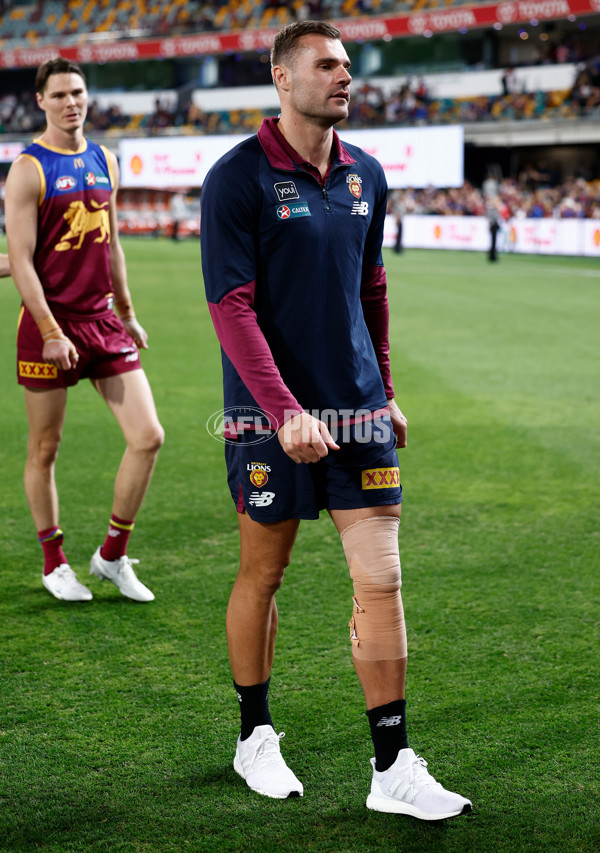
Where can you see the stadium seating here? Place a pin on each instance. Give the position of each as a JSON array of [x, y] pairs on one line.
[[51, 21]]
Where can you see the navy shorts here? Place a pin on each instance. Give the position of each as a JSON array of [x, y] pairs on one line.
[[265, 482]]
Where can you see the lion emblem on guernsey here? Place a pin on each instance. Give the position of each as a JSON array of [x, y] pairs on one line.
[[83, 221]]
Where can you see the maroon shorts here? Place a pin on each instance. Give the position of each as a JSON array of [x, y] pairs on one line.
[[104, 347]]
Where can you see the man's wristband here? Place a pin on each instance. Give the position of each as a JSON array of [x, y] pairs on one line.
[[49, 329], [124, 309]]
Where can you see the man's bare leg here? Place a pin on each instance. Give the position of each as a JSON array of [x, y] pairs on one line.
[[129, 397], [265, 551], [46, 416]]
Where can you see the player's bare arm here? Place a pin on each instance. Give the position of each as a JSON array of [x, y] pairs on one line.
[[399, 423], [21, 206], [4, 265], [118, 269], [305, 438]]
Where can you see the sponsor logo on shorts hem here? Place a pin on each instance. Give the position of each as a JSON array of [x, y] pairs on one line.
[[380, 478], [37, 370]]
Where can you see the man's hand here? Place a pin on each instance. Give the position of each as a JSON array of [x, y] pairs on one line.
[[57, 349], [305, 439], [60, 352], [399, 424], [135, 331]]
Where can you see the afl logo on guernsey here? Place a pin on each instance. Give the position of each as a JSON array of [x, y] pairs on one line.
[[354, 185], [65, 183]]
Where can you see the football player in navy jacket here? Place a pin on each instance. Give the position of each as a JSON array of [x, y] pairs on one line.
[[292, 229]]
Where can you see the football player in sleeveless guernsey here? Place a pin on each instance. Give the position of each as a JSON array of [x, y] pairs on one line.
[[76, 321]]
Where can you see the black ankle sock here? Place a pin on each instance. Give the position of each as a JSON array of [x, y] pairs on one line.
[[388, 730], [254, 707]]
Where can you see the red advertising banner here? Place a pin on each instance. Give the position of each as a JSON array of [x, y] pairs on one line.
[[460, 18]]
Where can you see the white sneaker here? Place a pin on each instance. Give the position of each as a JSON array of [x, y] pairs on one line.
[[63, 584], [258, 760], [408, 788], [120, 573]]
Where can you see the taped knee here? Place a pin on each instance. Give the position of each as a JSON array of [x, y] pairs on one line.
[[377, 628]]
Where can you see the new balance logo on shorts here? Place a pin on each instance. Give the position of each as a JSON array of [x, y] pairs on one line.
[[390, 721], [261, 498]]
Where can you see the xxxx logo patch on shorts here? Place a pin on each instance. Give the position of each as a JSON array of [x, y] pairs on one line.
[[37, 370], [380, 478]]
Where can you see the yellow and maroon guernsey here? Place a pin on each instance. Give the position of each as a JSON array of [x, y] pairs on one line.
[[72, 254]]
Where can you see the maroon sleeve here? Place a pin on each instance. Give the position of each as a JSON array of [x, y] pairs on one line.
[[242, 340], [373, 296]]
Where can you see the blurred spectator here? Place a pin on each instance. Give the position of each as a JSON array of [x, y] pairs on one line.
[[574, 198], [509, 81]]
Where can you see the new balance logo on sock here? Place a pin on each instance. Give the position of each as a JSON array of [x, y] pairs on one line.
[[114, 533], [390, 721]]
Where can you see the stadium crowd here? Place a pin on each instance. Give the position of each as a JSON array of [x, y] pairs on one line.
[[575, 198], [47, 21], [409, 104]]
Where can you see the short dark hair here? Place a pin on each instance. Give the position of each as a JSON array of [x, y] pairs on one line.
[[286, 40], [58, 65]]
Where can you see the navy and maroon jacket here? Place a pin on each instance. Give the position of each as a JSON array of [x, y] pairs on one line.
[[294, 277]]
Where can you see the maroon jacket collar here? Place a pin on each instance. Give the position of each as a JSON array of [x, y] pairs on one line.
[[281, 154]]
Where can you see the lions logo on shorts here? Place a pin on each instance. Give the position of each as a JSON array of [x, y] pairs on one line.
[[259, 478]]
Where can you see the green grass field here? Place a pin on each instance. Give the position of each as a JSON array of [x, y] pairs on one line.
[[118, 721]]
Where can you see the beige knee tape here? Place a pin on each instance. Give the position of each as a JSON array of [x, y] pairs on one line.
[[377, 628]]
